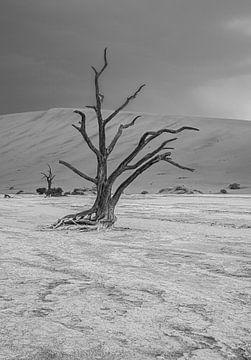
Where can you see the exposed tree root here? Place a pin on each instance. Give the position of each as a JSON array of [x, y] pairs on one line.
[[84, 221]]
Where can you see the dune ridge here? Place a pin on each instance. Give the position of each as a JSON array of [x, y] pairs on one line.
[[220, 152]]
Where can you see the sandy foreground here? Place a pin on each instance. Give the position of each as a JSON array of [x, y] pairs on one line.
[[169, 282]]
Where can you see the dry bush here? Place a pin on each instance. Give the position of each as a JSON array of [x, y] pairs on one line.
[[234, 186]]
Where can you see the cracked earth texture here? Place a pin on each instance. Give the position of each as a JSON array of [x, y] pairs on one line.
[[170, 281]]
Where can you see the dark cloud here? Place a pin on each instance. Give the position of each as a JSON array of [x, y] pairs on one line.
[[183, 49]]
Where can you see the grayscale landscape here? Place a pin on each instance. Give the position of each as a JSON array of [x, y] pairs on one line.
[[125, 180]]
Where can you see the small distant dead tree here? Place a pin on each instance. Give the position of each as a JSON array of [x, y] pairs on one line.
[[49, 178], [102, 211]]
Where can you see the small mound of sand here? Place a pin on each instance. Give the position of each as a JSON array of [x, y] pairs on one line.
[[179, 189], [83, 191]]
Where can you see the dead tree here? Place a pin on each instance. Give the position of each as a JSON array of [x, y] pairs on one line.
[[102, 211], [49, 178]]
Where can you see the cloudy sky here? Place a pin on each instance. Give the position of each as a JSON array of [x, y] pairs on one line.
[[194, 55]]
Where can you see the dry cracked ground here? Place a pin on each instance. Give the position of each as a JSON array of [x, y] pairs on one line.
[[170, 281]]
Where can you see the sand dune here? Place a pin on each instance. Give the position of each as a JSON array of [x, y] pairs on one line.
[[220, 152]]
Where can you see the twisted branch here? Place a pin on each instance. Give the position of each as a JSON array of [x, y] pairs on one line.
[[98, 73], [178, 165], [133, 96], [119, 133], [82, 130], [99, 97], [80, 173], [151, 154], [49, 176], [144, 140], [144, 167]]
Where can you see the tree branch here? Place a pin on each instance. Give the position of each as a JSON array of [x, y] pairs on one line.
[[144, 140], [99, 97], [82, 130], [98, 106], [80, 173], [48, 176], [144, 167], [151, 135], [178, 165], [119, 133], [93, 107], [98, 73], [132, 177], [150, 155], [133, 96]]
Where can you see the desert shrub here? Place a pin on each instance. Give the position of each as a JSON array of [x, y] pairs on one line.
[[234, 186], [59, 190], [165, 190], [179, 189], [84, 191], [55, 191], [195, 191], [78, 192], [223, 191], [41, 191]]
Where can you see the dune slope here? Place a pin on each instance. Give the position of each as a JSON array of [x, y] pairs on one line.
[[220, 152]]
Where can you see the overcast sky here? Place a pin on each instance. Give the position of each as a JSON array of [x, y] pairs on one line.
[[194, 55]]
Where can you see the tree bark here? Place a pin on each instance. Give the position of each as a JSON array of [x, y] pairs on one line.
[[100, 215]]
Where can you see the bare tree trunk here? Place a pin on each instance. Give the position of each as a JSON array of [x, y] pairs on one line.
[[48, 191], [104, 207], [100, 215]]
